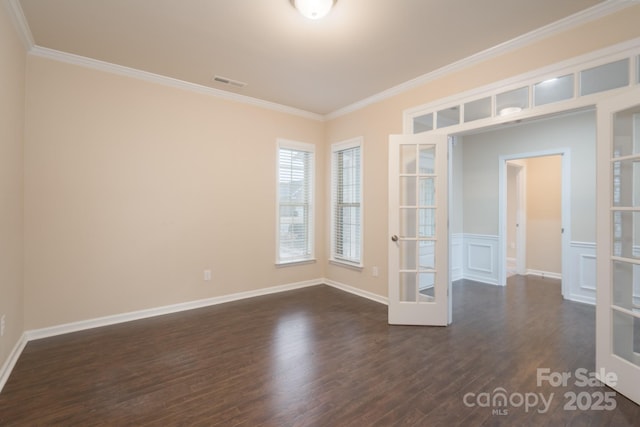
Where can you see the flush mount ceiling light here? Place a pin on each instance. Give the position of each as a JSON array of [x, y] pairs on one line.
[[313, 9], [509, 110]]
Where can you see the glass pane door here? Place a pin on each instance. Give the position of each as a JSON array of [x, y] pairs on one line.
[[418, 253], [618, 303]]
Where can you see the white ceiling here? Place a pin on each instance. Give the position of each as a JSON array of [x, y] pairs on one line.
[[362, 48]]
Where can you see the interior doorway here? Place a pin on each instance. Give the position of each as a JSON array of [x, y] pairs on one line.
[[480, 238], [516, 218], [533, 215]]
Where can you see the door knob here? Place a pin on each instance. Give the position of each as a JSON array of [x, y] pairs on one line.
[[394, 238]]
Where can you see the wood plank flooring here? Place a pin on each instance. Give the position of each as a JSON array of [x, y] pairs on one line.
[[318, 357]]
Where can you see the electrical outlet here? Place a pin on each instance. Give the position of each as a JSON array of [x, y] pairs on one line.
[[374, 271], [2, 325], [207, 275]]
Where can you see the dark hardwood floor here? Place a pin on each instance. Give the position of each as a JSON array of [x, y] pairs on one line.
[[319, 357]]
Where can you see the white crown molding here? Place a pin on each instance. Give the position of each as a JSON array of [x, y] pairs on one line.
[[603, 9], [20, 22], [109, 67], [598, 11]]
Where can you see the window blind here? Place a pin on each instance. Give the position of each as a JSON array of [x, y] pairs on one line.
[[347, 204], [295, 204]]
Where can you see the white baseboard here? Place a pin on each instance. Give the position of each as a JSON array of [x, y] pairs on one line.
[[481, 279], [8, 365], [547, 274], [66, 328], [356, 291]]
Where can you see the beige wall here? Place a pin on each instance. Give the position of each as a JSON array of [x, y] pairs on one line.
[[377, 121], [132, 189], [12, 88], [544, 214]]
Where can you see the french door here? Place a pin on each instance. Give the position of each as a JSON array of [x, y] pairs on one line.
[[618, 244], [418, 229]]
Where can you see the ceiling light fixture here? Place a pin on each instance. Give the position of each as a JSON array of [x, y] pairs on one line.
[[509, 110], [313, 9]]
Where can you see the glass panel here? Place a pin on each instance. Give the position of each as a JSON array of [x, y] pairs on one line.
[[553, 90], [513, 101], [448, 117], [408, 223], [408, 287], [626, 183], [476, 110], [626, 285], [626, 234], [423, 123], [427, 159], [427, 254], [408, 258], [408, 190], [626, 336], [604, 77], [427, 226], [626, 132], [408, 159], [427, 191], [427, 281]]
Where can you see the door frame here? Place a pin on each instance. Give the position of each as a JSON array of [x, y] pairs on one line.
[[566, 208], [521, 214]]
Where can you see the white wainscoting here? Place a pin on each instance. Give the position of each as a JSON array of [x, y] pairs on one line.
[[480, 258], [475, 257], [457, 270], [581, 276]]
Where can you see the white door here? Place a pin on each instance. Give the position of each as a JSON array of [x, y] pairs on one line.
[[618, 244], [418, 230]]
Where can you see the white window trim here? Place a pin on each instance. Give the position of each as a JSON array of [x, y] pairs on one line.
[[302, 146], [340, 146]]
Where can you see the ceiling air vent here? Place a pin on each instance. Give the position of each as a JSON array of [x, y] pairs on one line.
[[227, 81]]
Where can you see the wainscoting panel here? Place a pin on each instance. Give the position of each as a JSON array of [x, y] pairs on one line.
[[581, 276], [457, 271], [480, 258]]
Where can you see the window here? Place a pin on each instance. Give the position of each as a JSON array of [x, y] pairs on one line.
[[604, 77], [553, 90], [346, 202], [423, 123], [295, 202], [448, 117], [512, 101], [478, 109]]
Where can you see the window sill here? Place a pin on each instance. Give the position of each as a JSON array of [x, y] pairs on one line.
[[345, 264], [295, 263]]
